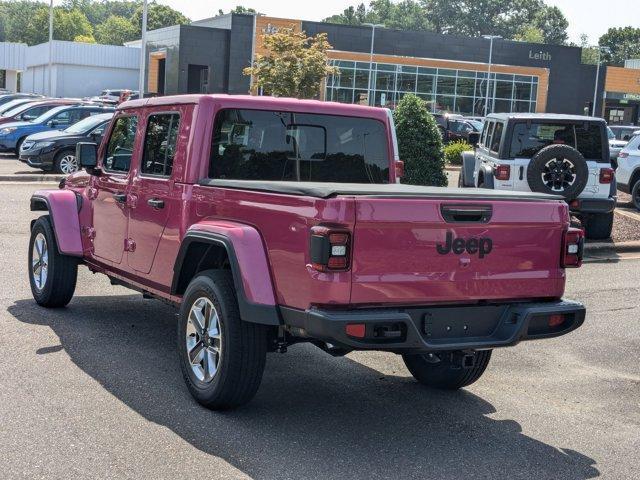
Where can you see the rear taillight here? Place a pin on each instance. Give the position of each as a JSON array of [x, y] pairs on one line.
[[623, 155], [573, 248], [330, 249], [606, 175], [503, 172]]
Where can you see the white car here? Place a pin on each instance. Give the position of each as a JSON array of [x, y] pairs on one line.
[[565, 155], [628, 172]]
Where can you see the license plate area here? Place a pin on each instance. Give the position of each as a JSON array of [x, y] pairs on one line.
[[461, 322]]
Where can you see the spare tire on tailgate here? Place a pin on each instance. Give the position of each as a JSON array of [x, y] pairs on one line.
[[559, 170]]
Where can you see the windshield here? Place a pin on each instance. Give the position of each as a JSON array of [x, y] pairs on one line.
[[272, 145], [48, 115], [475, 124], [528, 139], [89, 123], [9, 106]]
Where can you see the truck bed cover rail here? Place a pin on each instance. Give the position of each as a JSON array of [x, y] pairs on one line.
[[328, 190]]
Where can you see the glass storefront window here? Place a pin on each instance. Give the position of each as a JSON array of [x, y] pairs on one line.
[[385, 80], [460, 91], [446, 85], [425, 83]]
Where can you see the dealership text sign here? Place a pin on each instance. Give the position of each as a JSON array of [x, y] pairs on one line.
[[539, 55]]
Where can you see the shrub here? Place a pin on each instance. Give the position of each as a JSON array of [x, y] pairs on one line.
[[419, 143], [453, 152]]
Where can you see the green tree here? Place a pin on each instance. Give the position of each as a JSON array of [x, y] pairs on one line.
[[238, 9], [84, 39], [531, 34], [158, 16], [115, 31], [419, 143], [507, 18], [589, 53], [553, 25], [67, 25], [295, 65], [620, 44]]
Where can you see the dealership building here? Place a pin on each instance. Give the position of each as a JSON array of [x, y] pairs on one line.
[[452, 73]]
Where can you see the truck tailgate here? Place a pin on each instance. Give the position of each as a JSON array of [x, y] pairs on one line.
[[428, 250]]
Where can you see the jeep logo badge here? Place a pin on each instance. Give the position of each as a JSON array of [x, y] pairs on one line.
[[482, 246]]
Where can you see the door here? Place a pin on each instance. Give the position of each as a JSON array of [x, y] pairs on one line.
[[154, 196], [111, 190]]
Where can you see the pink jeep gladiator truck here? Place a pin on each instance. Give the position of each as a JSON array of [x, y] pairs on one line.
[[270, 222]]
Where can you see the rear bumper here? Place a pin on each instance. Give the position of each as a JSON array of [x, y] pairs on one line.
[[428, 329], [594, 205]]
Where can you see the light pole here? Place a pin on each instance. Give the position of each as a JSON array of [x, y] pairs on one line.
[[490, 38], [143, 50], [373, 26], [595, 90], [50, 92]]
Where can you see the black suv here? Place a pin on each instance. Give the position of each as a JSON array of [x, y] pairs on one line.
[[56, 150]]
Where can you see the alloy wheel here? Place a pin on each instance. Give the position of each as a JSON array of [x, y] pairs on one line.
[[40, 261], [68, 164], [558, 174], [204, 339]]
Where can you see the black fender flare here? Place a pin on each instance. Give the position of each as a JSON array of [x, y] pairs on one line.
[[249, 311], [468, 168]]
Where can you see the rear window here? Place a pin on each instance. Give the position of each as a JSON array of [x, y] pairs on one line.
[[271, 145], [529, 139]]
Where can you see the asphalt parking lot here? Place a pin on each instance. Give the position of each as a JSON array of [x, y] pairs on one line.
[[94, 391]]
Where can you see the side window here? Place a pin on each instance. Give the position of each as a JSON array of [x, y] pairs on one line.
[[62, 118], [120, 146], [497, 136], [488, 129], [160, 144], [99, 130]]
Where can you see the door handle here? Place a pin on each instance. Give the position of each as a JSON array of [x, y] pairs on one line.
[[156, 203], [120, 197]]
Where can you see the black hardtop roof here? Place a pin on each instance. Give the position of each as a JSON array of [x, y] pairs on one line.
[[544, 117]]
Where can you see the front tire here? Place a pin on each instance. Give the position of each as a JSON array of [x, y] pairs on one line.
[[598, 226], [52, 275], [635, 195], [221, 356], [440, 370]]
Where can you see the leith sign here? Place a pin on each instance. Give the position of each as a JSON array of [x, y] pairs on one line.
[[539, 55]]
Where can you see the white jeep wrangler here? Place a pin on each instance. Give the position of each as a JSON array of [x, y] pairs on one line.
[[563, 155]]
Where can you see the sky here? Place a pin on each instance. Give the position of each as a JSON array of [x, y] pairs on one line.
[[592, 17]]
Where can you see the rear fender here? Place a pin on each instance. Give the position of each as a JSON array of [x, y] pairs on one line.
[[247, 260], [468, 168], [63, 207]]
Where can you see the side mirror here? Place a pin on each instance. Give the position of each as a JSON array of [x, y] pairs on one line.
[[87, 155]]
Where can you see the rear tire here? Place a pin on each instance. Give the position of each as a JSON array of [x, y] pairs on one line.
[[439, 371], [221, 356], [52, 276], [598, 226], [461, 178]]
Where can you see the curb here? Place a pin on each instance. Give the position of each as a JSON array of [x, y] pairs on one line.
[[32, 178], [633, 246], [452, 168]]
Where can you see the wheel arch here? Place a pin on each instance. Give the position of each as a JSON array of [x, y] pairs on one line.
[[63, 207], [236, 248]]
